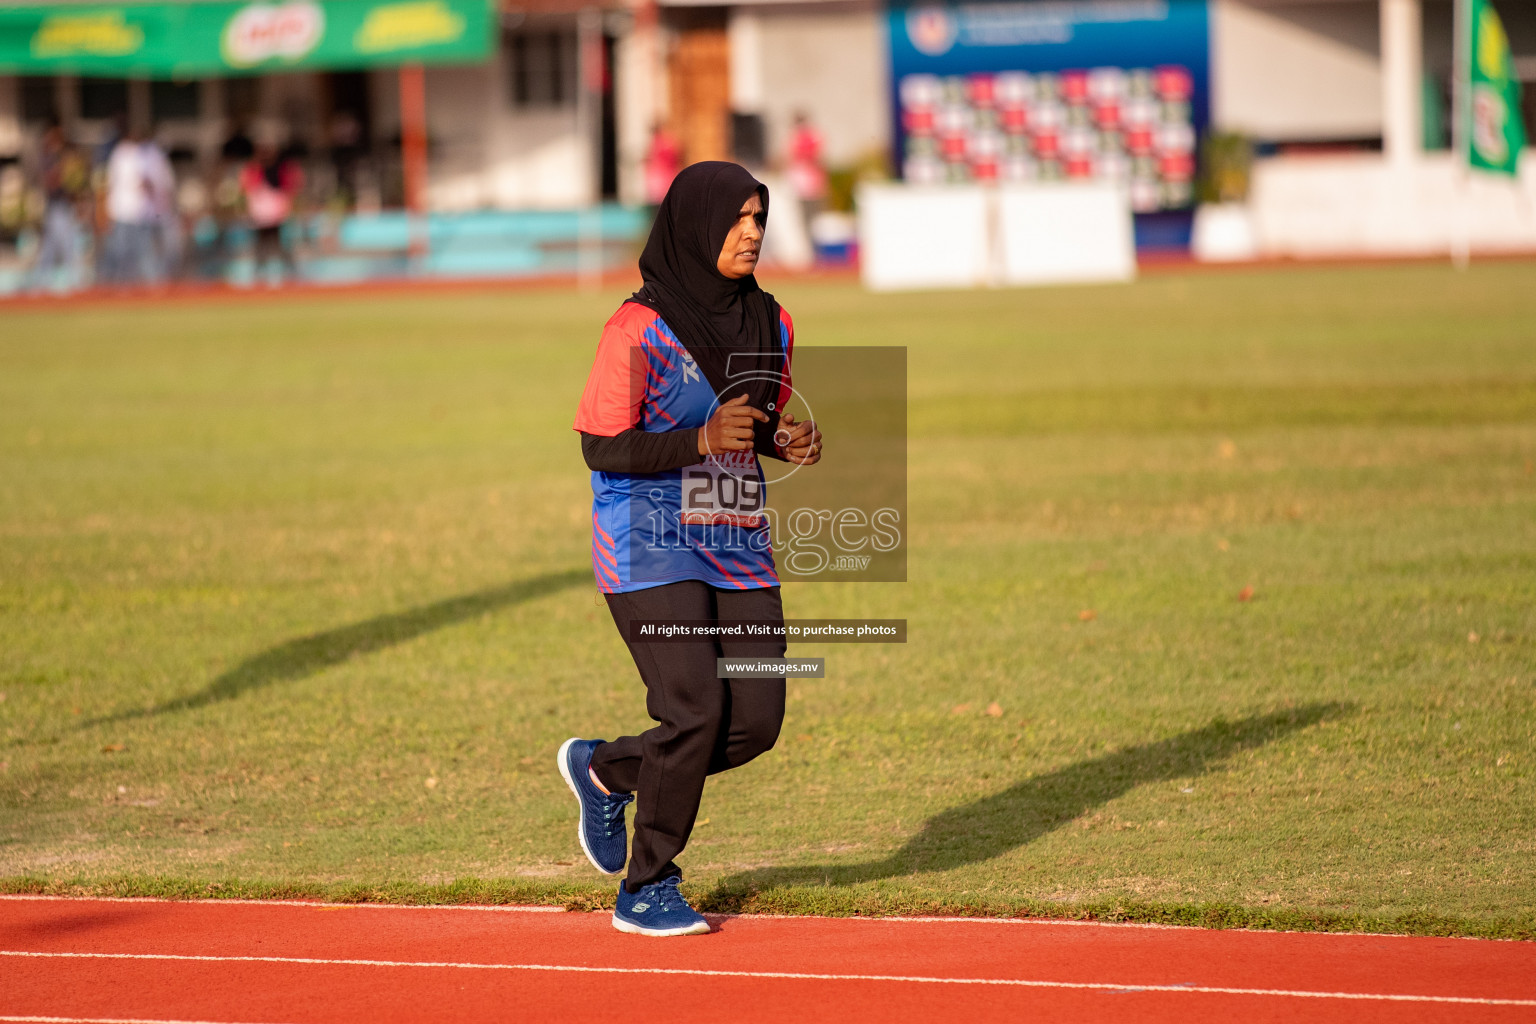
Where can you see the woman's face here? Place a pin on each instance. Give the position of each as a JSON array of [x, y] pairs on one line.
[[738, 257]]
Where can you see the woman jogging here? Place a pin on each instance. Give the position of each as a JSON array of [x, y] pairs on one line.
[[688, 387]]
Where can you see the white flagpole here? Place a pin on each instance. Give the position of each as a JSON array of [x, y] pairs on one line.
[[1461, 134]]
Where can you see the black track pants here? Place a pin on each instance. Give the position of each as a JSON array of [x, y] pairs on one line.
[[705, 724]]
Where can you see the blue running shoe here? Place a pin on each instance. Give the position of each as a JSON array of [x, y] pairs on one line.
[[601, 828], [657, 909]]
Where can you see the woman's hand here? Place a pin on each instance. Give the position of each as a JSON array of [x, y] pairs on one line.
[[730, 428], [800, 442]]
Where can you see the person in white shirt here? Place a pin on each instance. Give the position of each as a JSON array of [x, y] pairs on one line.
[[140, 194]]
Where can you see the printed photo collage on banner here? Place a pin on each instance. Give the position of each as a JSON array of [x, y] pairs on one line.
[[1128, 125], [1071, 90]]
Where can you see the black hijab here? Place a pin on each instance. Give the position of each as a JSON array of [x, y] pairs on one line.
[[714, 316]]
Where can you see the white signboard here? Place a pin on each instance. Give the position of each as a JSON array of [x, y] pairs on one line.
[[967, 236], [913, 236], [1065, 233]]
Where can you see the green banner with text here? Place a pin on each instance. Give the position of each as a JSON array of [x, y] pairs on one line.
[[190, 40], [1497, 134]]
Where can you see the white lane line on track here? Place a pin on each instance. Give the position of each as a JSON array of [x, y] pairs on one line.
[[106, 1020], [889, 919], [1103, 986]]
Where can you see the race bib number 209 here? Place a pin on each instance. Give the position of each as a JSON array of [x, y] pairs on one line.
[[724, 488]]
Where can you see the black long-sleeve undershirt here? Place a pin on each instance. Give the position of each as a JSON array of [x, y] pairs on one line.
[[653, 451], [641, 451]]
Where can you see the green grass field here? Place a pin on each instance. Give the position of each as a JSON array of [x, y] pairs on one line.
[[294, 599]]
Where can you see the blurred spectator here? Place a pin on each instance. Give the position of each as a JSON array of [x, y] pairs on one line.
[[663, 159], [117, 130], [238, 148], [140, 195], [807, 176], [224, 200], [65, 181], [346, 138], [270, 182]]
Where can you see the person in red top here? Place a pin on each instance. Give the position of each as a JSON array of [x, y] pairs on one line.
[[687, 390], [806, 173], [270, 183], [663, 159]]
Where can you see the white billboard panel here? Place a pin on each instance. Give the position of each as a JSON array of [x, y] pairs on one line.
[[1065, 233], [967, 236], [914, 236]]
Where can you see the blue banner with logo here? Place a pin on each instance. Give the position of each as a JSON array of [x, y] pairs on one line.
[[1040, 90]]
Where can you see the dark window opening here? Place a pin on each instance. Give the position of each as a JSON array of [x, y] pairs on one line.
[[1528, 109], [543, 67], [175, 100], [242, 97], [351, 109], [103, 98], [749, 139], [38, 99]]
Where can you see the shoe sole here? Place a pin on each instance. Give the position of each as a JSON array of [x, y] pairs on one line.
[[563, 762], [631, 928]]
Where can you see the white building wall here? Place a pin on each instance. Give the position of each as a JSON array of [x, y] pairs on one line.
[[539, 160], [640, 99], [830, 61], [1304, 71], [1364, 205], [827, 58], [744, 32], [462, 119], [535, 157], [486, 153]]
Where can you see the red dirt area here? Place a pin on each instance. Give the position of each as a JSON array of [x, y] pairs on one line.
[[67, 960], [624, 278]]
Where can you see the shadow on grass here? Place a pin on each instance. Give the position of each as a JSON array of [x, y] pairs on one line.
[[310, 654], [1022, 813]]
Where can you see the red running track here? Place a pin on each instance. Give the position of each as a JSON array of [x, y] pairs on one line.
[[304, 963]]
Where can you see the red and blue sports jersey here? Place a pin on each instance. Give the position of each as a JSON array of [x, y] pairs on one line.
[[701, 522]]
